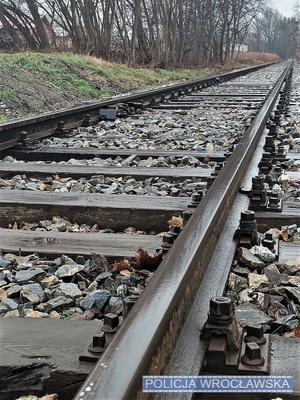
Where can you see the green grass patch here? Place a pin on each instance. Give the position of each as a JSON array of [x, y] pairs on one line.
[[6, 94], [80, 85]]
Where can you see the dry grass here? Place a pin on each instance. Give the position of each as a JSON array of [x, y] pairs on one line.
[[258, 57]]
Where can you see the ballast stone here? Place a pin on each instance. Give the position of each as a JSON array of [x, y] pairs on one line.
[[98, 299], [249, 259]]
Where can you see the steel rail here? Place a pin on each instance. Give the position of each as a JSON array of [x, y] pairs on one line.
[[43, 125], [145, 341]]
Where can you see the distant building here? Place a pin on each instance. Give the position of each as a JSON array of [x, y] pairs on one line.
[[240, 49]]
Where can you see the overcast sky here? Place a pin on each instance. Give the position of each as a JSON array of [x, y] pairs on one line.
[[285, 7]]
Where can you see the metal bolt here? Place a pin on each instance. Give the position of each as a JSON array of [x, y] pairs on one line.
[[274, 201], [258, 183], [255, 334], [272, 129], [153, 101], [60, 127], [186, 215], [269, 140], [196, 198], [221, 307], [252, 355], [269, 236], [248, 222], [247, 216], [86, 120], [266, 156], [280, 150], [110, 323], [268, 241], [128, 303], [269, 144], [167, 241], [174, 230], [98, 344], [217, 169], [23, 135]]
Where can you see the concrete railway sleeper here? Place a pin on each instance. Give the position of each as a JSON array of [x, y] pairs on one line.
[[228, 186]]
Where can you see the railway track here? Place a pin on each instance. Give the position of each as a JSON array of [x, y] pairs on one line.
[[185, 170]]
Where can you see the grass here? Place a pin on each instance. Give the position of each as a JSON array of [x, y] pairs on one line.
[[56, 66], [80, 85], [6, 94], [31, 78], [77, 74]]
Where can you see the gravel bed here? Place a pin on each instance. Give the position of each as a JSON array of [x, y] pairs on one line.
[[63, 224], [31, 286], [154, 186], [155, 162], [195, 129], [265, 293]]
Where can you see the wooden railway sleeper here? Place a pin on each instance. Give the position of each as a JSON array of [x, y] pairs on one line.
[[231, 350]]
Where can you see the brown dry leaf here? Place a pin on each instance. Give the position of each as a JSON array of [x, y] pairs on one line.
[[42, 186], [55, 177], [94, 228], [177, 221], [276, 233], [285, 235], [144, 261], [241, 108], [130, 230], [206, 160], [28, 226], [15, 226], [50, 397], [123, 264], [125, 272], [297, 332]]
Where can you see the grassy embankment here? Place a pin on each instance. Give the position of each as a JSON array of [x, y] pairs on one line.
[[32, 83]]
